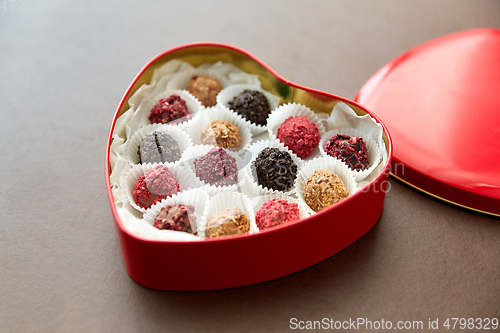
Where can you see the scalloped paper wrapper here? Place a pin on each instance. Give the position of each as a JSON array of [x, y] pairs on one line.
[[193, 106], [196, 197], [320, 163], [278, 117], [225, 200], [255, 188], [204, 119], [227, 95], [176, 133], [185, 178], [181, 79], [258, 201], [374, 152], [198, 151]]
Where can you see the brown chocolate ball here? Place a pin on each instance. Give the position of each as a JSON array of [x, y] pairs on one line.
[[323, 189], [251, 105], [158, 147], [221, 133], [205, 88], [226, 222]]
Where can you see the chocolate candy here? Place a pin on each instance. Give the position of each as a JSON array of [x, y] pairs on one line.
[[170, 110], [323, 189], [251, 105], [299, 134], [230, 221], [155, 185], [275, 212], [217, 168], [221, 133], [351, 150], [158, 147], [205, 88], [274, 169], [176, 217]]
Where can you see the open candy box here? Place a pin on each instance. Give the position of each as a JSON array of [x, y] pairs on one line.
[[191, 216]]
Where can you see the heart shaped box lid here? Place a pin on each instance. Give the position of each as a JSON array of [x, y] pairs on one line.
[[441, 104]]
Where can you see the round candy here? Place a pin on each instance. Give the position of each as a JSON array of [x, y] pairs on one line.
[[275, 212], [217, 168], [323, 189], [299, 134], [176, 217], [351, 150], [158, 147], [221, 133], [274, 169], [171, 110], [155, 185], [229, 221], [205, 88], [251, 105]]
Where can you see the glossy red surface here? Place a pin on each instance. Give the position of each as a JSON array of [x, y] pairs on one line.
[[248, 259], [441, 103]]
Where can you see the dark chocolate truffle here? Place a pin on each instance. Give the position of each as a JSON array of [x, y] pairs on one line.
[[205, 88], [275, 212], [155, 185], [221, 133], [170, 110], [230, 221], [299, 134], [251, 105], [323, 189], [351, 150], [158, 147], [176, 217], [217, 168], [274, 169]]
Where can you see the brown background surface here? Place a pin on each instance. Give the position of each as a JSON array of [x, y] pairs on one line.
[[62, 74]]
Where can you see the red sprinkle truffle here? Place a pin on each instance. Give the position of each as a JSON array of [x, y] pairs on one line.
[[351, 150], [299, 134], [155, 185], [171, 110], [176, 217], [275, 212], [217, 167]]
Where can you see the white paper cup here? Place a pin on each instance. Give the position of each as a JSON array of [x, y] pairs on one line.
[[278, 117], [185, 178], [258, 201], [204, 119], [255, 149], [225, 200], [374, 151], [196, 197], [228, 94], [176, 133], [320, 163]]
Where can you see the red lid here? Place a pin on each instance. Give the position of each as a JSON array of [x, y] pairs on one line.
[[441, 104]]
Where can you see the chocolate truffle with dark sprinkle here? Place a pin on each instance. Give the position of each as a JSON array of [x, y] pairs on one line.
[[274, 169], [351, 150], [158, 147], [176, 217], [251, 105], [217, 167]]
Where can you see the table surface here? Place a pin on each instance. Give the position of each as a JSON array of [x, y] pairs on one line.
[[63, 73]]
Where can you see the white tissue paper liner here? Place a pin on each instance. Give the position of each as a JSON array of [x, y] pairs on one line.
[[196, 197], [193, 106], [176, 133], [255, 188], [204, 119], [198, 151], [185, 178], [181, 79], [257, 203], [278, 117], [320, 163], [227, 95], [225, 200], [374, 151]]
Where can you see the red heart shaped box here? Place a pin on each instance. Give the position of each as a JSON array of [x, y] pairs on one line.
[[247, 259]]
